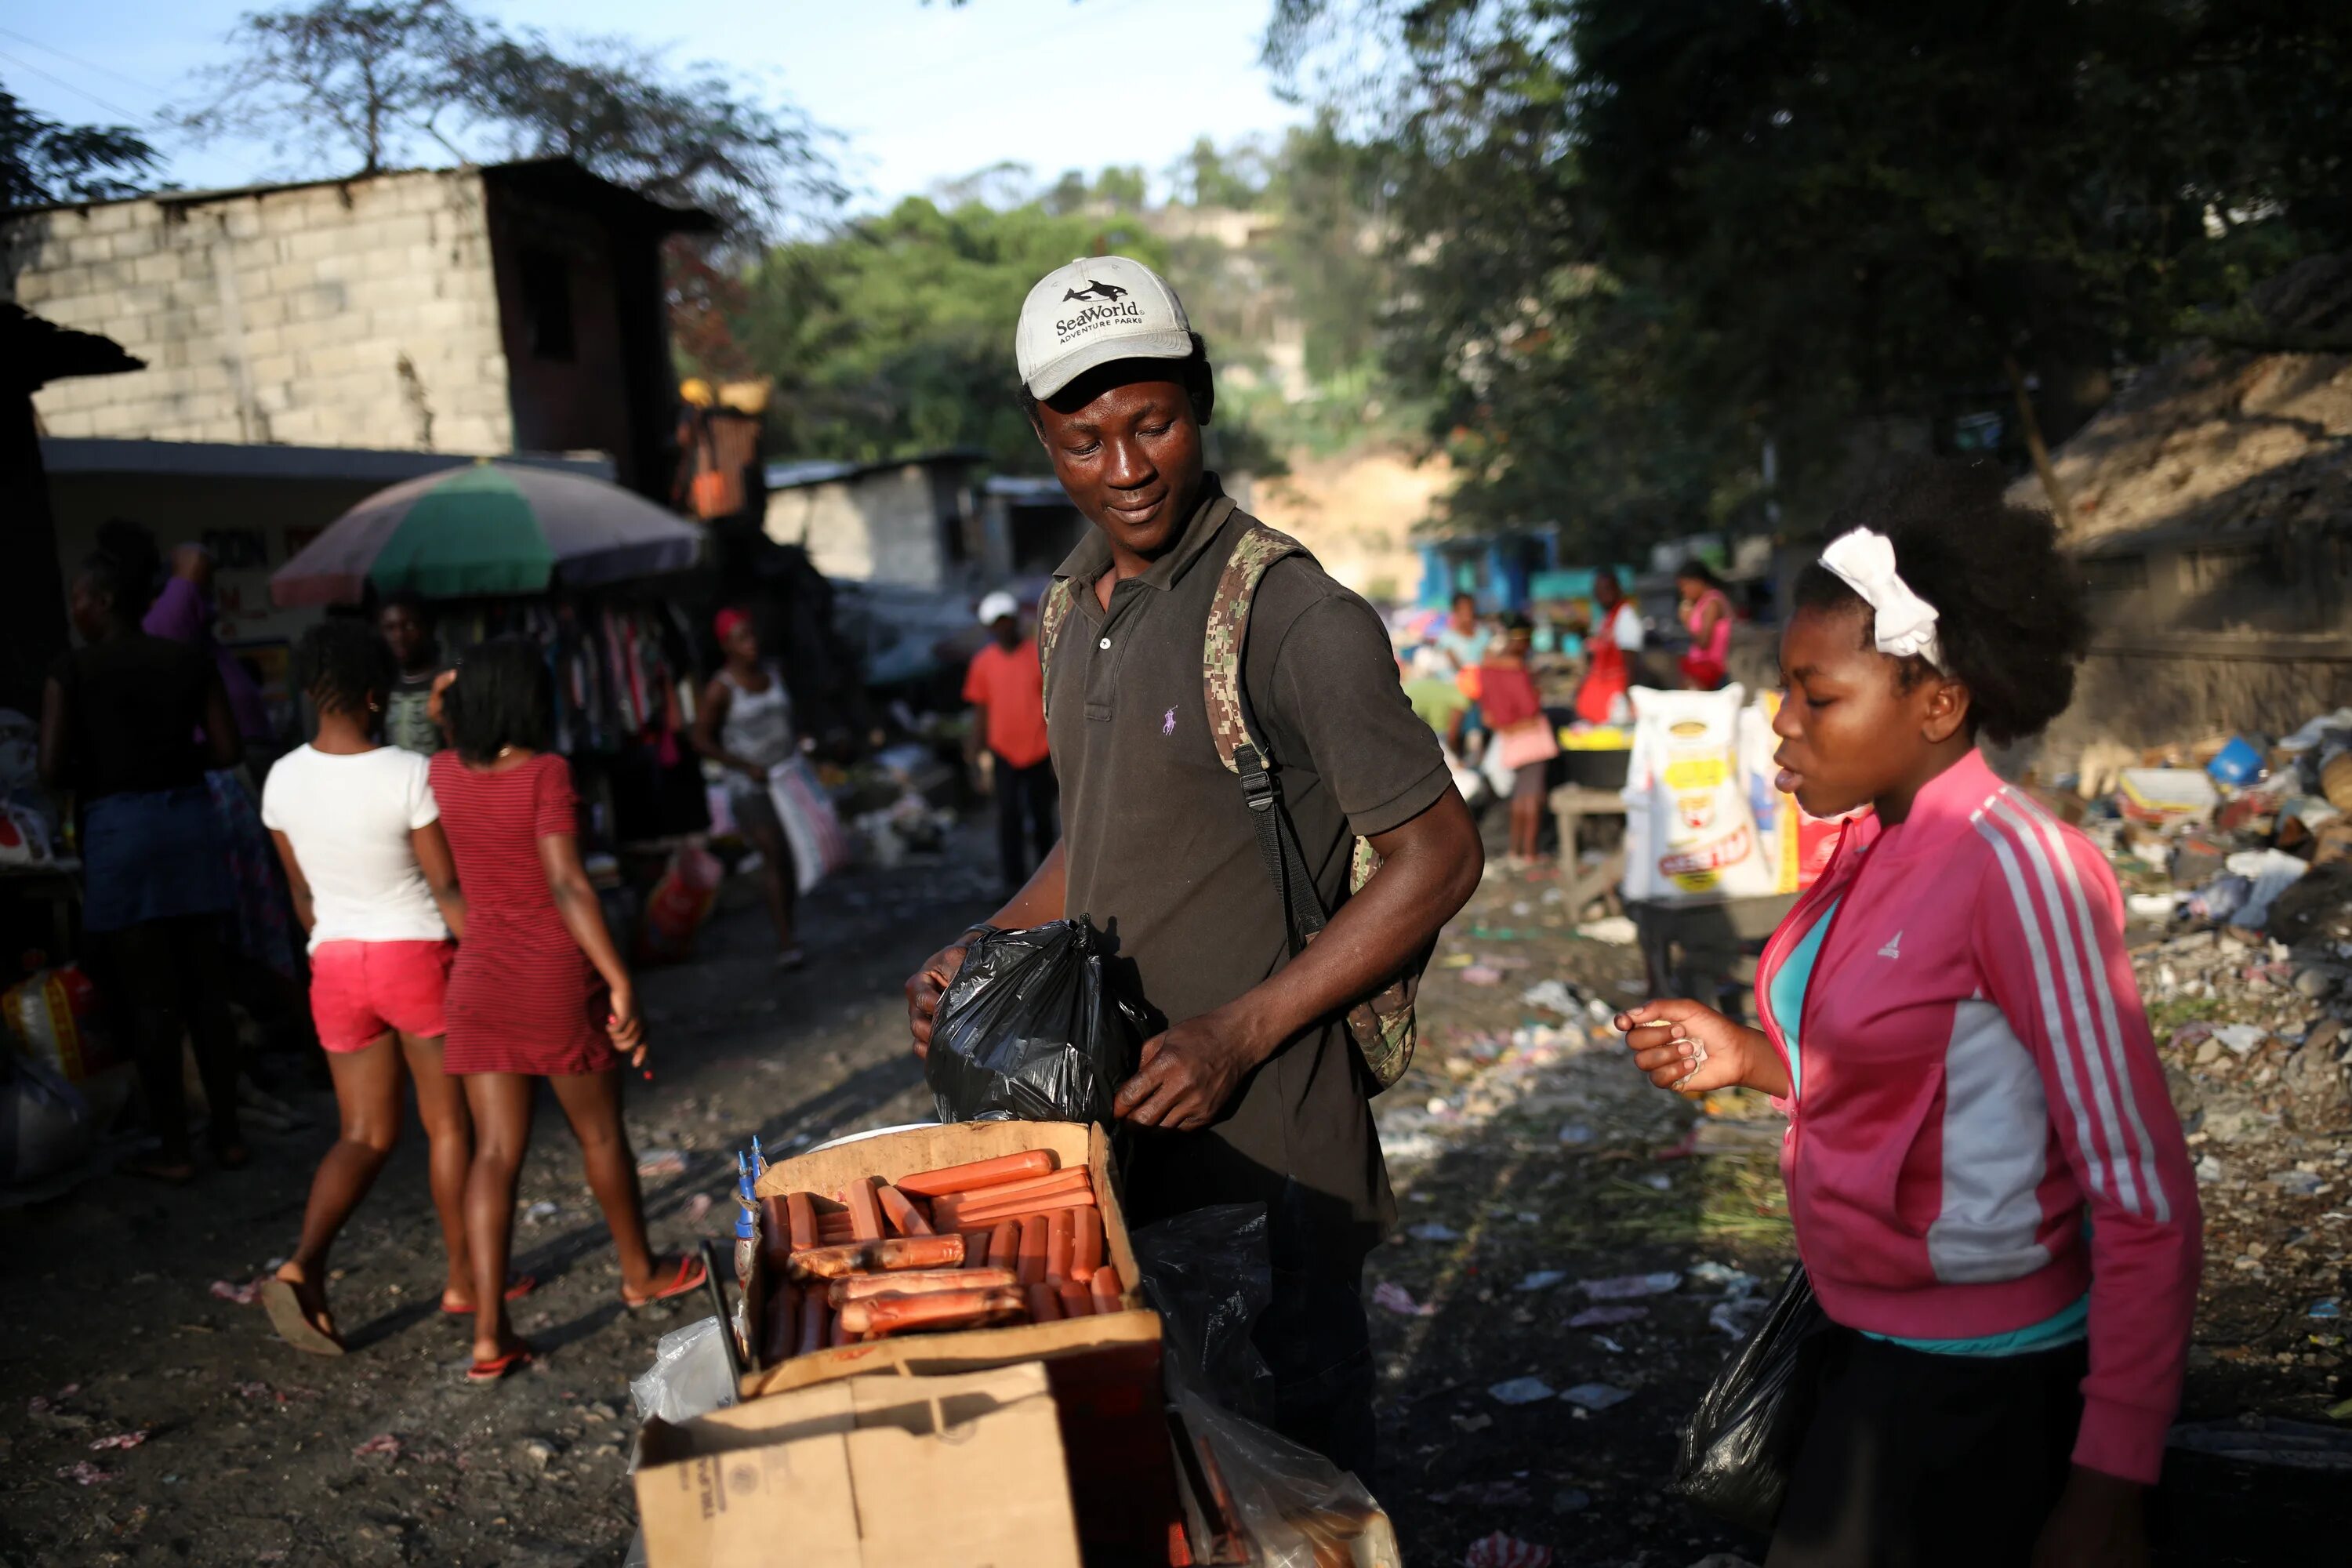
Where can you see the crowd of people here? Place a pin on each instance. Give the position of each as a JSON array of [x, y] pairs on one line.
[[1990, 1193], [425, 841]]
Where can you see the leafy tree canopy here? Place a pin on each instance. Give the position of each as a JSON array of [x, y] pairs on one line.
[[1700, 225], [43, 161], [383, 81]]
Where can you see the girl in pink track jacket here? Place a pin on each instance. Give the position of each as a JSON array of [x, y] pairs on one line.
[[1989, 1184]]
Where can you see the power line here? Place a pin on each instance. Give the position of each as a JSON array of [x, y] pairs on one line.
[[82, 91], [86, 65]]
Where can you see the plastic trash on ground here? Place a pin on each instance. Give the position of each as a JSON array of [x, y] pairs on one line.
[[1742, 1439], [1033, 1029], [2269, 872]]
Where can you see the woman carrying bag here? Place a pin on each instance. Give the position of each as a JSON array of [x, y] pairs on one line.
[[1990, 1188]]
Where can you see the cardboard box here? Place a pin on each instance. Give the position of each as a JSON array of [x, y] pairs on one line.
[[1104, 1370], [870, 1472], [891, 1155]]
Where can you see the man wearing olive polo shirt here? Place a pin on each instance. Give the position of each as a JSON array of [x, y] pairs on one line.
[[1254, 1094]]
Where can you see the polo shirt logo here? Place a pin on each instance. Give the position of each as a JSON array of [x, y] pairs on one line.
[[1168, 722]]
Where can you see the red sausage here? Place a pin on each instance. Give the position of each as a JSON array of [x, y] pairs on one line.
[[948, 1309], [900, 1213], [919, 1282], [1086, 1248], [1104, 1286], [975, 1249], [972, 1218], [864, 1210], [802, 1209], [1005, 1243], [979, 1173], [775, 1234], [1075, 1179], [1059, 1235], [866, 1256], [1076, 1301], [1032, 1249], [1044, 1304], [817, 1322], [784, 1325]]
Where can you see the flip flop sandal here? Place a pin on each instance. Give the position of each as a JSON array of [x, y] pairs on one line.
[[497, 1370], [294, 1326], [689, 1277], [518, 1286]]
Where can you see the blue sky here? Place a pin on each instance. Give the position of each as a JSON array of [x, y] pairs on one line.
[[919, 93]]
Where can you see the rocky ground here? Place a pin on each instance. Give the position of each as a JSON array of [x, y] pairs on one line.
[[1575, 1255]]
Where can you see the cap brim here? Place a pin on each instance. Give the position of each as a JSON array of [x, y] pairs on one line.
[[1057, 373]]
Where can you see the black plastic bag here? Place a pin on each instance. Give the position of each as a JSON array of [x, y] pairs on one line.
[[1742, 1441], [1208, 1273], [1034, 1028]]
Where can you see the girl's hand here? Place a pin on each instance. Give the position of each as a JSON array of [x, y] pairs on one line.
[[1687, 1047], [628, 1031]]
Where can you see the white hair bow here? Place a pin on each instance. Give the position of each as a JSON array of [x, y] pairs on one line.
[[1904, 624]]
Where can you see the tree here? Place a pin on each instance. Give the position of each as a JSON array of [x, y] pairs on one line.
[[369, 77], [1816, 212], [1208, 176], [376, 78], [692, 141], [43, 161], [896, 334]]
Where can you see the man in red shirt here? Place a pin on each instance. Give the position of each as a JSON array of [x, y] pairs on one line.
[[1006, 688]]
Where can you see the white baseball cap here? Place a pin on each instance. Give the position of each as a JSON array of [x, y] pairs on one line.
[[998, 605], [1092, 311]]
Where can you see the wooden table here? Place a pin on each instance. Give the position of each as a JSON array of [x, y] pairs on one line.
[[1570, 804]]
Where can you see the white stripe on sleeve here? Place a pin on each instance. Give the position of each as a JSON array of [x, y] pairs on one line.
[[2111, 1036], [2094, 1162], [2086, 1036]]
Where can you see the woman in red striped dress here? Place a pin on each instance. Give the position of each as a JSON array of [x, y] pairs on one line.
[[538, 989]]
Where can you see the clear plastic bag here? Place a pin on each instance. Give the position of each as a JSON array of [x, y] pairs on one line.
[[1034, 1028], [1742, 1441], [689, 1376], [1209, 1274], [1296, 1509], [46, 1125]]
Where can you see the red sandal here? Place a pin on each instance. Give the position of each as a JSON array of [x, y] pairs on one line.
[[689, 1277], [496, 1369], [521, 1285]]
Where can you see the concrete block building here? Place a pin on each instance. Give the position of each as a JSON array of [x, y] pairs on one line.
[[477, 310]]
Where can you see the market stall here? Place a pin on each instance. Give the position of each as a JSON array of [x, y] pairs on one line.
[[582, 567]]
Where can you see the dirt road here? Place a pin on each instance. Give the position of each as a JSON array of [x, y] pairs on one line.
[[1574, 1253]]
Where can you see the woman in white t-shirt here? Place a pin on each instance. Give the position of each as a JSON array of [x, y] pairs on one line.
[[356, 826]]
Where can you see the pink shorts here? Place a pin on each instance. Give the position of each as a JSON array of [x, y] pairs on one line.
[[359, 989]]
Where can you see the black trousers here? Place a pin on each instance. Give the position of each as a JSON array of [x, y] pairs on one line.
[[1916, 1460], [1027, 816], [163, 977]]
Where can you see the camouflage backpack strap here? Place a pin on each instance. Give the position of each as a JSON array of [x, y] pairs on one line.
[[1381, 1026], [1052, 612], [1220, 654]]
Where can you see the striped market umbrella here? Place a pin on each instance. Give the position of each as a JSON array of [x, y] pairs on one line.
[[491, 528]]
